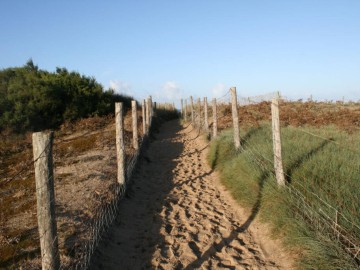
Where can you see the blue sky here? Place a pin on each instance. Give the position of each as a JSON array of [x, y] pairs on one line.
[[173, 49]]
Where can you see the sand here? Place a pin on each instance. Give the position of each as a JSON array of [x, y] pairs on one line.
[[177, 215]]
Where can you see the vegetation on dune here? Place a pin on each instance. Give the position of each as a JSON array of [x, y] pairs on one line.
[[32, 99], [327, 166], [346, 116], [19, 244]]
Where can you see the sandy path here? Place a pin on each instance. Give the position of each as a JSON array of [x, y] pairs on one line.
[[177, 217]]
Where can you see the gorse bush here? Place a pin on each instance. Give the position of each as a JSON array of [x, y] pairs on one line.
[[32, 99], [327, 166]]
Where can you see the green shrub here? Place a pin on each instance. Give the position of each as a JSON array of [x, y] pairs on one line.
[[32, 99]]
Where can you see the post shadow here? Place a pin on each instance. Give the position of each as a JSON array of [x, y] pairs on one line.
[[156, 193], [217, 247], [299, 161]]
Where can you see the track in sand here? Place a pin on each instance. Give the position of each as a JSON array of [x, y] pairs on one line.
[[177, 216]]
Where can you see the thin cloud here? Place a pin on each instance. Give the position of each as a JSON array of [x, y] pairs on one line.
[[218, 90], [121, 87], [170, 91]]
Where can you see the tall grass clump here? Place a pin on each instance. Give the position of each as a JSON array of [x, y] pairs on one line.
[[323, 164]]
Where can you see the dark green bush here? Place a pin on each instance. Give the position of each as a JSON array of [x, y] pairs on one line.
[[32, 99]]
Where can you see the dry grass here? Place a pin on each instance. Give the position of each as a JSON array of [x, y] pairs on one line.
[[326, 165], [317, 114], [85, 170]]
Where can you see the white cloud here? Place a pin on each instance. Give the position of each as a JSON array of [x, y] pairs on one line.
[[121, 87], [170, 91], [219, 90]]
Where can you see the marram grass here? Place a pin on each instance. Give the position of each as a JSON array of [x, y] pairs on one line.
[[327, 165]]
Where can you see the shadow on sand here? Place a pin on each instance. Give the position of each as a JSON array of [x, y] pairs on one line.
[[135, 235], [218, 246]]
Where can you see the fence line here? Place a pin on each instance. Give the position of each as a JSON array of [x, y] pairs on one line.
[[226, 98], [244, 101], [317, 217], [327, 218], [80, 225]]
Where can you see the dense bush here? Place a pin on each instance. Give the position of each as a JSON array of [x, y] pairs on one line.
[[33, 99]]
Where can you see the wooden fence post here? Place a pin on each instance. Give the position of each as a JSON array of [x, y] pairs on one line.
[[192, 110], [134, 124], [151, 109], [45, 198], [279, 172], [235, 118], [214, 118], [143, 116], [120, 143], [199, 113], [185, 111], [206, 120], [147, 111]]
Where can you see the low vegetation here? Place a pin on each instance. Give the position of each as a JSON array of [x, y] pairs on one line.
[[85, 171], [19, 241], [323, 163], [345, 116]]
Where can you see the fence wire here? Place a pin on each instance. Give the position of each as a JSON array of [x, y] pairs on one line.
[[309, 205], [87, 196], [244, 101], [313, 209]]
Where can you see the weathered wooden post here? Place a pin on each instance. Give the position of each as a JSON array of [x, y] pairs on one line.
[[278, 166], [45, 199], [185, 111], [151, 109], [235, 118], [147, 109], [134, 124], [192, 110], [199, 113], [206, 120], [214, 118], [143, 116], [120, 143]]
